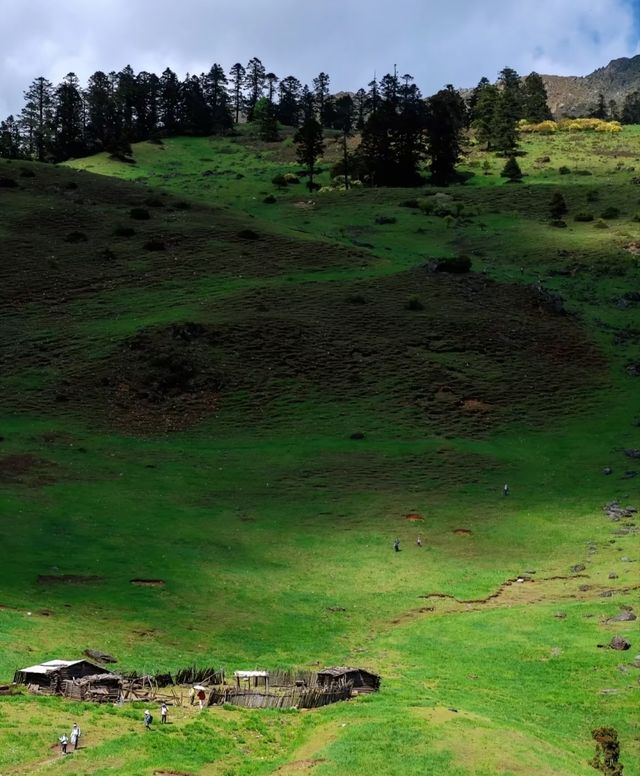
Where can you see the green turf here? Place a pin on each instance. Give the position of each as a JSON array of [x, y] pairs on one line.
[[271, 528]]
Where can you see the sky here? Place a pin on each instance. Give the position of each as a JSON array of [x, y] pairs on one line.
[[456, 41]]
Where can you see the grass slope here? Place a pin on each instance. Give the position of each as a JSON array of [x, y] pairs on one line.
[[218, 456]]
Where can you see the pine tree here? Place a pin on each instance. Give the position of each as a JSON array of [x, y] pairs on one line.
[[272, 80], [508, 112], [309, 146], [195, 117], [512, 170], [10, 139], [345, 122], [534, 99], [145, 105], [360, 104], [68, 118], [217, 96], [373, 96], [265, 117], [254, 79], [289, 92], [37, 119], [484, 112], [321, 92], [599, 110], [125, 97], [631, 108], [170, 99], [475, 95], [445, 121], [307, 104], [237, 76]]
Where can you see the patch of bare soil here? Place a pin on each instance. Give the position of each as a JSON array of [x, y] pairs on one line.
[[26, 469], [463, 531], [633, 247], [68, 579], [148, 582], [414, 517], [300, 765]]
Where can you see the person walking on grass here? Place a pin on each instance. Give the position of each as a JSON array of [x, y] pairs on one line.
[[419, 542], [396, 545], [64, 742], [505, 490], [148, 719], [74, 738], [163, 714]]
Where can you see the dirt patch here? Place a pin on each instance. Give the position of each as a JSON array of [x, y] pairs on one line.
[[474, 405], [299, 765], [26, 469], [462, 531], [414, 517], [633, 247], [172, 773], [148, 582], [68, 579]]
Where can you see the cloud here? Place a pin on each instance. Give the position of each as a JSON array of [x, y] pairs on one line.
[[455, 42]]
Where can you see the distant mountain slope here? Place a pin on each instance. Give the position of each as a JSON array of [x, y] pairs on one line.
[[576, 95]]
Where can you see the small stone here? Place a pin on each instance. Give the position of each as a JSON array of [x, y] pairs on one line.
[[606, 594], [560, 615], [577, 568], [623, 617], [607, 470], [584, 588], [632, 452], [613, 575]]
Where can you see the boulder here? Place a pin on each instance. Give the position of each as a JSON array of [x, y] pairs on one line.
[[607, 470], [623, 617], [577, 568], [632, 452], [619, 643]]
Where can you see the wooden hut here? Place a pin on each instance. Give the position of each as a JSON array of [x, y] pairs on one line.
[[360, 680], [99, 688], [252, 678], [49, 676]]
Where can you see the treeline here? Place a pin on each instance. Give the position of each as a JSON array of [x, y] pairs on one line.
[[399, 128], [629, 113]]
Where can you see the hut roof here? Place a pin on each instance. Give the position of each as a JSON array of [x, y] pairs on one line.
[[107, 678], [50, 666], [340, 670], [250, 674]]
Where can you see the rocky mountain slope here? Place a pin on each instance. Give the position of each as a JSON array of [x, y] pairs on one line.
[[576, 95]]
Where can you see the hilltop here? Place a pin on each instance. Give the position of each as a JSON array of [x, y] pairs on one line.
[[577, 95]]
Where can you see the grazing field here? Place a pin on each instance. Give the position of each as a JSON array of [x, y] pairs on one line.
[[248, 401]]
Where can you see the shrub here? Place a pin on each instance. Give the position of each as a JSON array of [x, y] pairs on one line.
[[607, 756], [412, 203], [564, 170], [455, 265], [154, 202], [583, 217], [269, 200], [414, 303], [279, 180], [248, 234], [593, 196], [382, 220], [557, 206], [543, 159], [25, 172], [183, 206], [512, 170], [610, 212], [124, 231], [76, 237], [8, 183], [291, 178], [558, 223], [154, 244], [139, 214], [600, 224], [583, 172]]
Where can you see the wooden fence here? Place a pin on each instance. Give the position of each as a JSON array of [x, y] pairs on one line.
[[299, 697]]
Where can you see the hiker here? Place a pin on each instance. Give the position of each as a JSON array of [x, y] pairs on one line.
[[163, 714], [396, 545], [505, 490], [63, 743], [201, 697], [74, 738], [148, 719], [419, 542], [192, 696]]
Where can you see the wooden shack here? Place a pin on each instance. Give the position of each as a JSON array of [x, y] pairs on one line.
[[360, 680], [49, 676], [98, 688], [254, 678]]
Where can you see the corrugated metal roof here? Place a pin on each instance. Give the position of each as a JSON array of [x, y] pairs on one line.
[[50, 665], [249, 674]]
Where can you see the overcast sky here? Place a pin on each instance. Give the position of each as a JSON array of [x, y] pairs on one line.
[[455, 41]]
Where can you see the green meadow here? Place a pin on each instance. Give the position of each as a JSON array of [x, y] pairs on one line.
[[250, 401]]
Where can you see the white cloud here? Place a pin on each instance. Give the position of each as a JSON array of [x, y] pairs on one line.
[[455, 42]]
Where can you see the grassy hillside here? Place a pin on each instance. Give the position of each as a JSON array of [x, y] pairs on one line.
[[179, 395]]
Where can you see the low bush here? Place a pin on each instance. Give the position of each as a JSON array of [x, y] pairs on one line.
[[382, 220], [593, 196], [558, 223], [76, 237], [155, 244], [564, 170], [610, 212], [600, 224], [124, 231], [269, 200], [140, 214], [414, 303], [583, 217], [279, 180], [411, 203]]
